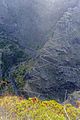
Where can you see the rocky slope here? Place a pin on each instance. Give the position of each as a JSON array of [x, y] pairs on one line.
[[57, 71]]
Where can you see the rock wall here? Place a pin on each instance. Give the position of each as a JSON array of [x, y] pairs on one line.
[[57, 71]]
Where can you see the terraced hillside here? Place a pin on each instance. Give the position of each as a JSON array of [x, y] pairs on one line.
[[57, 70]]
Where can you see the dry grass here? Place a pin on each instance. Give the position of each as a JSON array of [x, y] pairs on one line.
[[17, 108]]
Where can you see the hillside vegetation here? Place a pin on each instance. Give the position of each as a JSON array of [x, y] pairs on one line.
[[17, 108], [11, 56]]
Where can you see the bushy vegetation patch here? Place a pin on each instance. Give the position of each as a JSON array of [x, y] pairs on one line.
[[35, 109]]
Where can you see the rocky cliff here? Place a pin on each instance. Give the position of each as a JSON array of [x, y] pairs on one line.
[[52, 28], [57, 71]]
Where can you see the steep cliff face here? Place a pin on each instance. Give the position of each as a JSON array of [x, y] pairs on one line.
[[57, 71], [31, 22]]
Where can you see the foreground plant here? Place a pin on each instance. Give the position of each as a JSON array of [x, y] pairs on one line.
[[17, 108]]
